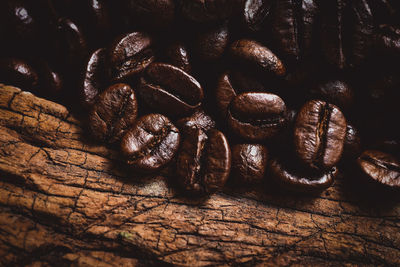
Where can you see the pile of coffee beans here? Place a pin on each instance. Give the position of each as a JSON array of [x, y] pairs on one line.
[[294, 91]]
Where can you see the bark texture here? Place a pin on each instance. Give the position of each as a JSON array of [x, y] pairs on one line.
[[66, 201]]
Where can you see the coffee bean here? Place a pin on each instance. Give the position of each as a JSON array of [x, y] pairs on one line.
[[254, 55], [337, 92], [319, 134], [352, 143], [177, 54], [94, 77], [388, 40], [380, 167], [170, 90], [199, 119], [256, 116], [249, 162], [210, 44], [19, 73], [204, 161], [129, 55], [256, 14], [297, 180], [114, 112], [150, 143], [50, 80]]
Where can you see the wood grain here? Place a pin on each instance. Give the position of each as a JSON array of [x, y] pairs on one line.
[[66, 201]]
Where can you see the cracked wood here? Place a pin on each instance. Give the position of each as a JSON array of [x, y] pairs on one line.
[[64, 199]]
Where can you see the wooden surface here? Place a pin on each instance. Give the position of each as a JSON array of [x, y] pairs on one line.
[[64, 201]]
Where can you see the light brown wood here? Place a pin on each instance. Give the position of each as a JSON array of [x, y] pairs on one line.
[[66, 201]]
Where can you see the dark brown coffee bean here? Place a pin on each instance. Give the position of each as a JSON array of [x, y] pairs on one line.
[[249, 162], [388, 40], [204, 161], [337, 92], [310, 20], [298, 180], [380, 167], [254, 55], [256, 13], [129, 55], [198, 119], [319, 134], [170, 90], [177, 54], [114, 112], [209, 10], [352, 143], [94, 77], [150, 143], [224, 94], [256, 116], [211, 44], [19, 73]]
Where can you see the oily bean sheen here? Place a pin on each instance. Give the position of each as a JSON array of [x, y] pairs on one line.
[[129, 55], [177, 54], [199, 119], [114, 112], [19, 73], [298, 180], [150, 143], [254, 55], [319, 134], [204, 161], [256, 13], [249, 162], [380, 167], [256, 116], [93, 77], [170, 90]]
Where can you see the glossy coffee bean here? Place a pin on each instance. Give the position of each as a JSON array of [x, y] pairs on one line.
[[204, 161], [256, 14], [388, 40], [319, 134], [352, 143], [150, 143], [170, 90], [209, 10], [297, 180], [19, 73], [114, 112], [380, 167], [177, 54], [210, 44], [257, 56], [129, 55], [337, 92], [256, 116], [93, 77], [199, 119], [249, 163]]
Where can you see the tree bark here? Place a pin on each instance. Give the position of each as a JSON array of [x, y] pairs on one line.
[[64, 200]]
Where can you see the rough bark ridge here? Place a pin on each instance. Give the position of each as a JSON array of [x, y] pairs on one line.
[[65, 201]]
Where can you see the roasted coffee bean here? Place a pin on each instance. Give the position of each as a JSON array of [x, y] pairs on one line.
[[19, 73], [211, 44], [204, 161], [170, 90], [199, 119], [177, 54], [337, 92], [319, 134], [51, 82], [249, 162], [256, 56], [388, 40], [93, 77], [352, 143], [150, 143], [153, 14], [129, 55], [310, 20], [256, 116], [209, 10], [256, 14], [114, 112], [285, 29], [380, 167], [296, 179]]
